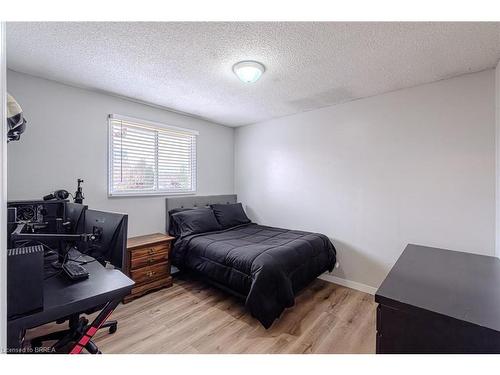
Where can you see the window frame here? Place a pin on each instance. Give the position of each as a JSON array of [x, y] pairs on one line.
[[152, 125]]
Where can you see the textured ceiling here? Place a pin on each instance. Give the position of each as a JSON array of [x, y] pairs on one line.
[[187, 66]]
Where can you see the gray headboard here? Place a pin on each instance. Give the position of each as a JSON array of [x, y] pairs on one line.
[[196, 202]]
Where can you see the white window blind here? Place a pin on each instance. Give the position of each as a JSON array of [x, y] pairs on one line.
[[150, 158]]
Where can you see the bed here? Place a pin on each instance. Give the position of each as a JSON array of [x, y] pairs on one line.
[[264, 265]]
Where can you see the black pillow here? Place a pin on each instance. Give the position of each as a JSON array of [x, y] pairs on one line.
[[230, 215], [173, 228], [199, 220]]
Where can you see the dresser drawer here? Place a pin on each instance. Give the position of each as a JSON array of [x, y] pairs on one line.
[[148, 260], [149, 251], [150, 273]]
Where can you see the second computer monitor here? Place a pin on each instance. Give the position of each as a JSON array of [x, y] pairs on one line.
[[75, 213], [110, 230]]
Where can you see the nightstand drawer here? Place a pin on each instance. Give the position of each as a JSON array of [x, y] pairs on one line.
[[148, 260], [150, 273], [150, 251]]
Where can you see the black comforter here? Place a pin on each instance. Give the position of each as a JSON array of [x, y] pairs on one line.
[[267, 265]]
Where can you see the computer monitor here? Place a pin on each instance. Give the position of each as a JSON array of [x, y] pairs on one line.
[[75, 213], [110, 230]]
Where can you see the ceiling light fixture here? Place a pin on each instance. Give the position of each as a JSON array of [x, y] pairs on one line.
[[248, 71]]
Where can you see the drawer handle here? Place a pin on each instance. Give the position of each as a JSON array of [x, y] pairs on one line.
[[151, 251], [151, 273], [151, 261]]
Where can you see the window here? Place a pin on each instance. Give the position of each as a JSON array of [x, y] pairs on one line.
[[150, 158]]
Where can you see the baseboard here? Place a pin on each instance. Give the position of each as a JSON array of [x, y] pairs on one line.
[[348, 283]]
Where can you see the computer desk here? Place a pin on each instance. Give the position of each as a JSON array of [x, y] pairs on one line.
[[63, 298]]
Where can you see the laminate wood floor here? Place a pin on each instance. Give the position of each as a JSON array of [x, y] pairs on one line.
[[192, 317]]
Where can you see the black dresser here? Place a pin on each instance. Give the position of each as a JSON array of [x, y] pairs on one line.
[[439, 301]]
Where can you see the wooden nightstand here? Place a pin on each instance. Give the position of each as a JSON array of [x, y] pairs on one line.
[[149, 263]]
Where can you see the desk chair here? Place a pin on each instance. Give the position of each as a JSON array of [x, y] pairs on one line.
[[79, 333]]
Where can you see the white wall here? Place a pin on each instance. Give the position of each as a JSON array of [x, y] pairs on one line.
[[411, 166], [66, 138], [497, 110]]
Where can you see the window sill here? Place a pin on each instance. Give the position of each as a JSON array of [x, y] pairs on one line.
[[142, 195]]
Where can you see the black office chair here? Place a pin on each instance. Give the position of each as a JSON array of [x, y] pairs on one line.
[[66, 338]]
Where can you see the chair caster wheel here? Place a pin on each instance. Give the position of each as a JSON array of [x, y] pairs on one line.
[[113, 328]]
